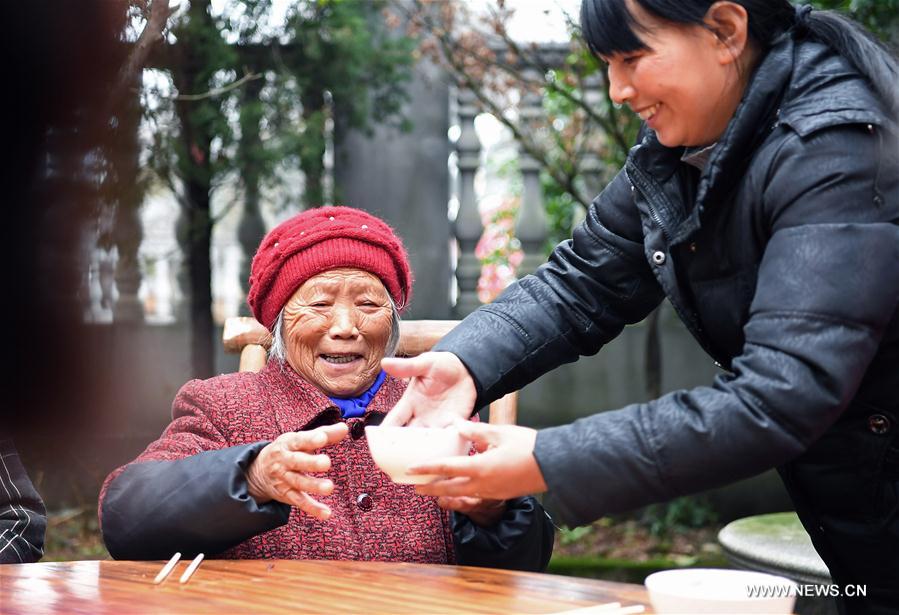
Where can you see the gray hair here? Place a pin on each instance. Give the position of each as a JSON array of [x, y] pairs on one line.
[[278, 350]]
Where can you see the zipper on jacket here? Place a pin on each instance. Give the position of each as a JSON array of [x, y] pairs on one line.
[[653, 214], [690, 320]]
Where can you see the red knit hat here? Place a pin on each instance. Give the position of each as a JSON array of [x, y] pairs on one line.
[[318, 240]]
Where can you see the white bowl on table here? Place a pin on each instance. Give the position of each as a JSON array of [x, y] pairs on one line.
[[712, 590], [395, 449]]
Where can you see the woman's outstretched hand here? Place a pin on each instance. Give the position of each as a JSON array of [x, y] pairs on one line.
[[481, 511], [440, 390], [507, 469], [281, 469]]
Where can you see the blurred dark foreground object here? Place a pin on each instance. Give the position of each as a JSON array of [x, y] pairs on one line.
[[23, 519], [61, 59]]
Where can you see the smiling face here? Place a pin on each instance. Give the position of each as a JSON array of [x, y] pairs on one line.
[[687, 82], [336, 327]]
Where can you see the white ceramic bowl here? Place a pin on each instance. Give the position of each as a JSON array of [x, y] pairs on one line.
[[394, 449], [710, 590]]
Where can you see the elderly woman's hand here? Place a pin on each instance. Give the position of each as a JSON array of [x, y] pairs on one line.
[[281, 470]]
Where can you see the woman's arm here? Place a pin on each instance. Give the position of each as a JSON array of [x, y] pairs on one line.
[[828, 287]]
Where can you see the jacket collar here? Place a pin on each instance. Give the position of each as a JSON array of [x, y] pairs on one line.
[[753, 120], [300, 405]]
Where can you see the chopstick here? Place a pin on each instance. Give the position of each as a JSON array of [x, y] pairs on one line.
[[167, 569], [190, 569], [170, 565]]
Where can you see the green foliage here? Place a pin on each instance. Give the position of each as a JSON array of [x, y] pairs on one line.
[[348, 53], [341, 61], [74, 534], [622, 549], [879, 16], [685, 512], [582, 128], [560, 211], [212, 62], [572, 535], [329, 59], [609, 569]]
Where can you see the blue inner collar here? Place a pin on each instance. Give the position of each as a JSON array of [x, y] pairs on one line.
[[355, 406]]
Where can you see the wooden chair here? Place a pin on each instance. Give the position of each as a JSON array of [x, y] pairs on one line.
[[248, 337]]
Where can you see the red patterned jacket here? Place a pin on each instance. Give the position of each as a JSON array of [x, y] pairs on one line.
[[187, 491]]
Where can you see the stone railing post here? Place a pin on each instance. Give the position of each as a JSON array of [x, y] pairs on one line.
[[530, 224], [128, 235], [467, 226]]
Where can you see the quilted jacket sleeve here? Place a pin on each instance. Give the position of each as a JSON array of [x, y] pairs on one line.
[[186, 492]]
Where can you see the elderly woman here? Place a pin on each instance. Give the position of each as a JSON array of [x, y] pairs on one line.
[[276, 464]]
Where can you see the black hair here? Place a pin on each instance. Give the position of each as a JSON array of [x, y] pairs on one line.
[[609, 28]]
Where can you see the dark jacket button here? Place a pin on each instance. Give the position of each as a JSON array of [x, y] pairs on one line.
[[659, 258], [364, 501], [357, 429], [879, 424]]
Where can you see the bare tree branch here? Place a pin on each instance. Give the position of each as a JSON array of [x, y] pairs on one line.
[[219, 91], [158, 13]]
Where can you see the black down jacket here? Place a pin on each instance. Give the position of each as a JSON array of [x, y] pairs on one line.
[[782, 259]]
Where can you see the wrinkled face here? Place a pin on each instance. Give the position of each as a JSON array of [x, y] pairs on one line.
[[336, 328], [679, 85]]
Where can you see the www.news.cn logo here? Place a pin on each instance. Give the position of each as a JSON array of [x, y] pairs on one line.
[[807, 590]]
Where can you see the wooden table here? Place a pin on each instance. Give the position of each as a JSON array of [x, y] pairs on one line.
[[224, 586]]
